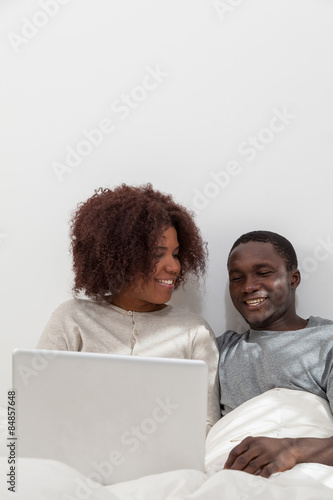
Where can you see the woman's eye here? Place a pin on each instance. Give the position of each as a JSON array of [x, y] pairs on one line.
[[176, 256]]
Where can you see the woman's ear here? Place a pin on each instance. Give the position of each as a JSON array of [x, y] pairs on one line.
[[295, 278]]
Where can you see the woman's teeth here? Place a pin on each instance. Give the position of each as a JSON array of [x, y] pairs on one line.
[[166, 282]]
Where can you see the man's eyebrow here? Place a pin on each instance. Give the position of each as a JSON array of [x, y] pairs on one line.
[[255, 266], [234, 270], [263, 264]]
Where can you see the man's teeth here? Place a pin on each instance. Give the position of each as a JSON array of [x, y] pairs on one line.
[[255, 301], [166, 282]]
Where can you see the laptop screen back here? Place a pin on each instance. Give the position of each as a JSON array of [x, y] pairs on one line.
[[115, 418]]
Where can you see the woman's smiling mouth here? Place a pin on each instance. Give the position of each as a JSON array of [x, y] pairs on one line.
[[166, 283]]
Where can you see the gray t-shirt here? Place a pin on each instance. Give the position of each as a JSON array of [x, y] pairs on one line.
[[258, 360]]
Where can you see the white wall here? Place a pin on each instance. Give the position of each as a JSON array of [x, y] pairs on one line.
[[226, 70]]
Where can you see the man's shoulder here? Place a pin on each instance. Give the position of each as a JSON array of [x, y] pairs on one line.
[[317, 321], [228, 337]]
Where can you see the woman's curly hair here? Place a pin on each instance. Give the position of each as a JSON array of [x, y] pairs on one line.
[[114, 237]]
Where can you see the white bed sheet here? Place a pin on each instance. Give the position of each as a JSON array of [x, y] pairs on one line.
[[277, 413]]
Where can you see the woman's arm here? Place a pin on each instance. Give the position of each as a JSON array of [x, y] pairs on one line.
[[205, 349], [61, 332]]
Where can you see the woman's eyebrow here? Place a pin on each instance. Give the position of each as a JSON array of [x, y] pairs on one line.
[[166, 248]]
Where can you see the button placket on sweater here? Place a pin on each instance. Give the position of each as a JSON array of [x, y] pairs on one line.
[[135, 334]]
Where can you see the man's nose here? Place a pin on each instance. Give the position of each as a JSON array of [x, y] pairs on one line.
[[251, 284]]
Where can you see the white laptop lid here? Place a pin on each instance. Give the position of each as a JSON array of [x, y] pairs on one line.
[[114, 418]]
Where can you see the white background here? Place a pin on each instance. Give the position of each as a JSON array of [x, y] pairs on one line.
[[228, 69]]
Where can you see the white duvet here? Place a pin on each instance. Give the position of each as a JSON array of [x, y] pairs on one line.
[[277, 413]]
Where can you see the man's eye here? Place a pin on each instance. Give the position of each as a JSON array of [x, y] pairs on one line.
[[264, 273], [236, 278]]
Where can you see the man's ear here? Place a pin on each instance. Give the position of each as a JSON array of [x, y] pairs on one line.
[[295, 278]]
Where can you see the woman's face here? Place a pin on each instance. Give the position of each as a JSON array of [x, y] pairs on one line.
[[157, 291]]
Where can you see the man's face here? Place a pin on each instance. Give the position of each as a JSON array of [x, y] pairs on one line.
[[261, 288]]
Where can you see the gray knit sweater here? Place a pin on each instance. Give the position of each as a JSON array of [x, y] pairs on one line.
[[84, 325]]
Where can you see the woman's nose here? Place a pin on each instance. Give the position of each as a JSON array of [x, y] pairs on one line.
[[172, 265]]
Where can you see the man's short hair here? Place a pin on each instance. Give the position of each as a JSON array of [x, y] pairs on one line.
[[283, 246]]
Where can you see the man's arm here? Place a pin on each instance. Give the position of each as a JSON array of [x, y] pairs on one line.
[[264, 456]]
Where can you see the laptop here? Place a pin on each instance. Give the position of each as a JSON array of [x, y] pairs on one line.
[[113, 418]]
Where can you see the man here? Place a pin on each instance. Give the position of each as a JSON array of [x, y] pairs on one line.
[[280, 349]]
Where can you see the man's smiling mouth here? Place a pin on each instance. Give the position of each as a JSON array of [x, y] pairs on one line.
[[255, 302]]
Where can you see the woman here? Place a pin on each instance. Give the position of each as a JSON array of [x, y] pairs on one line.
[[132, 246]]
